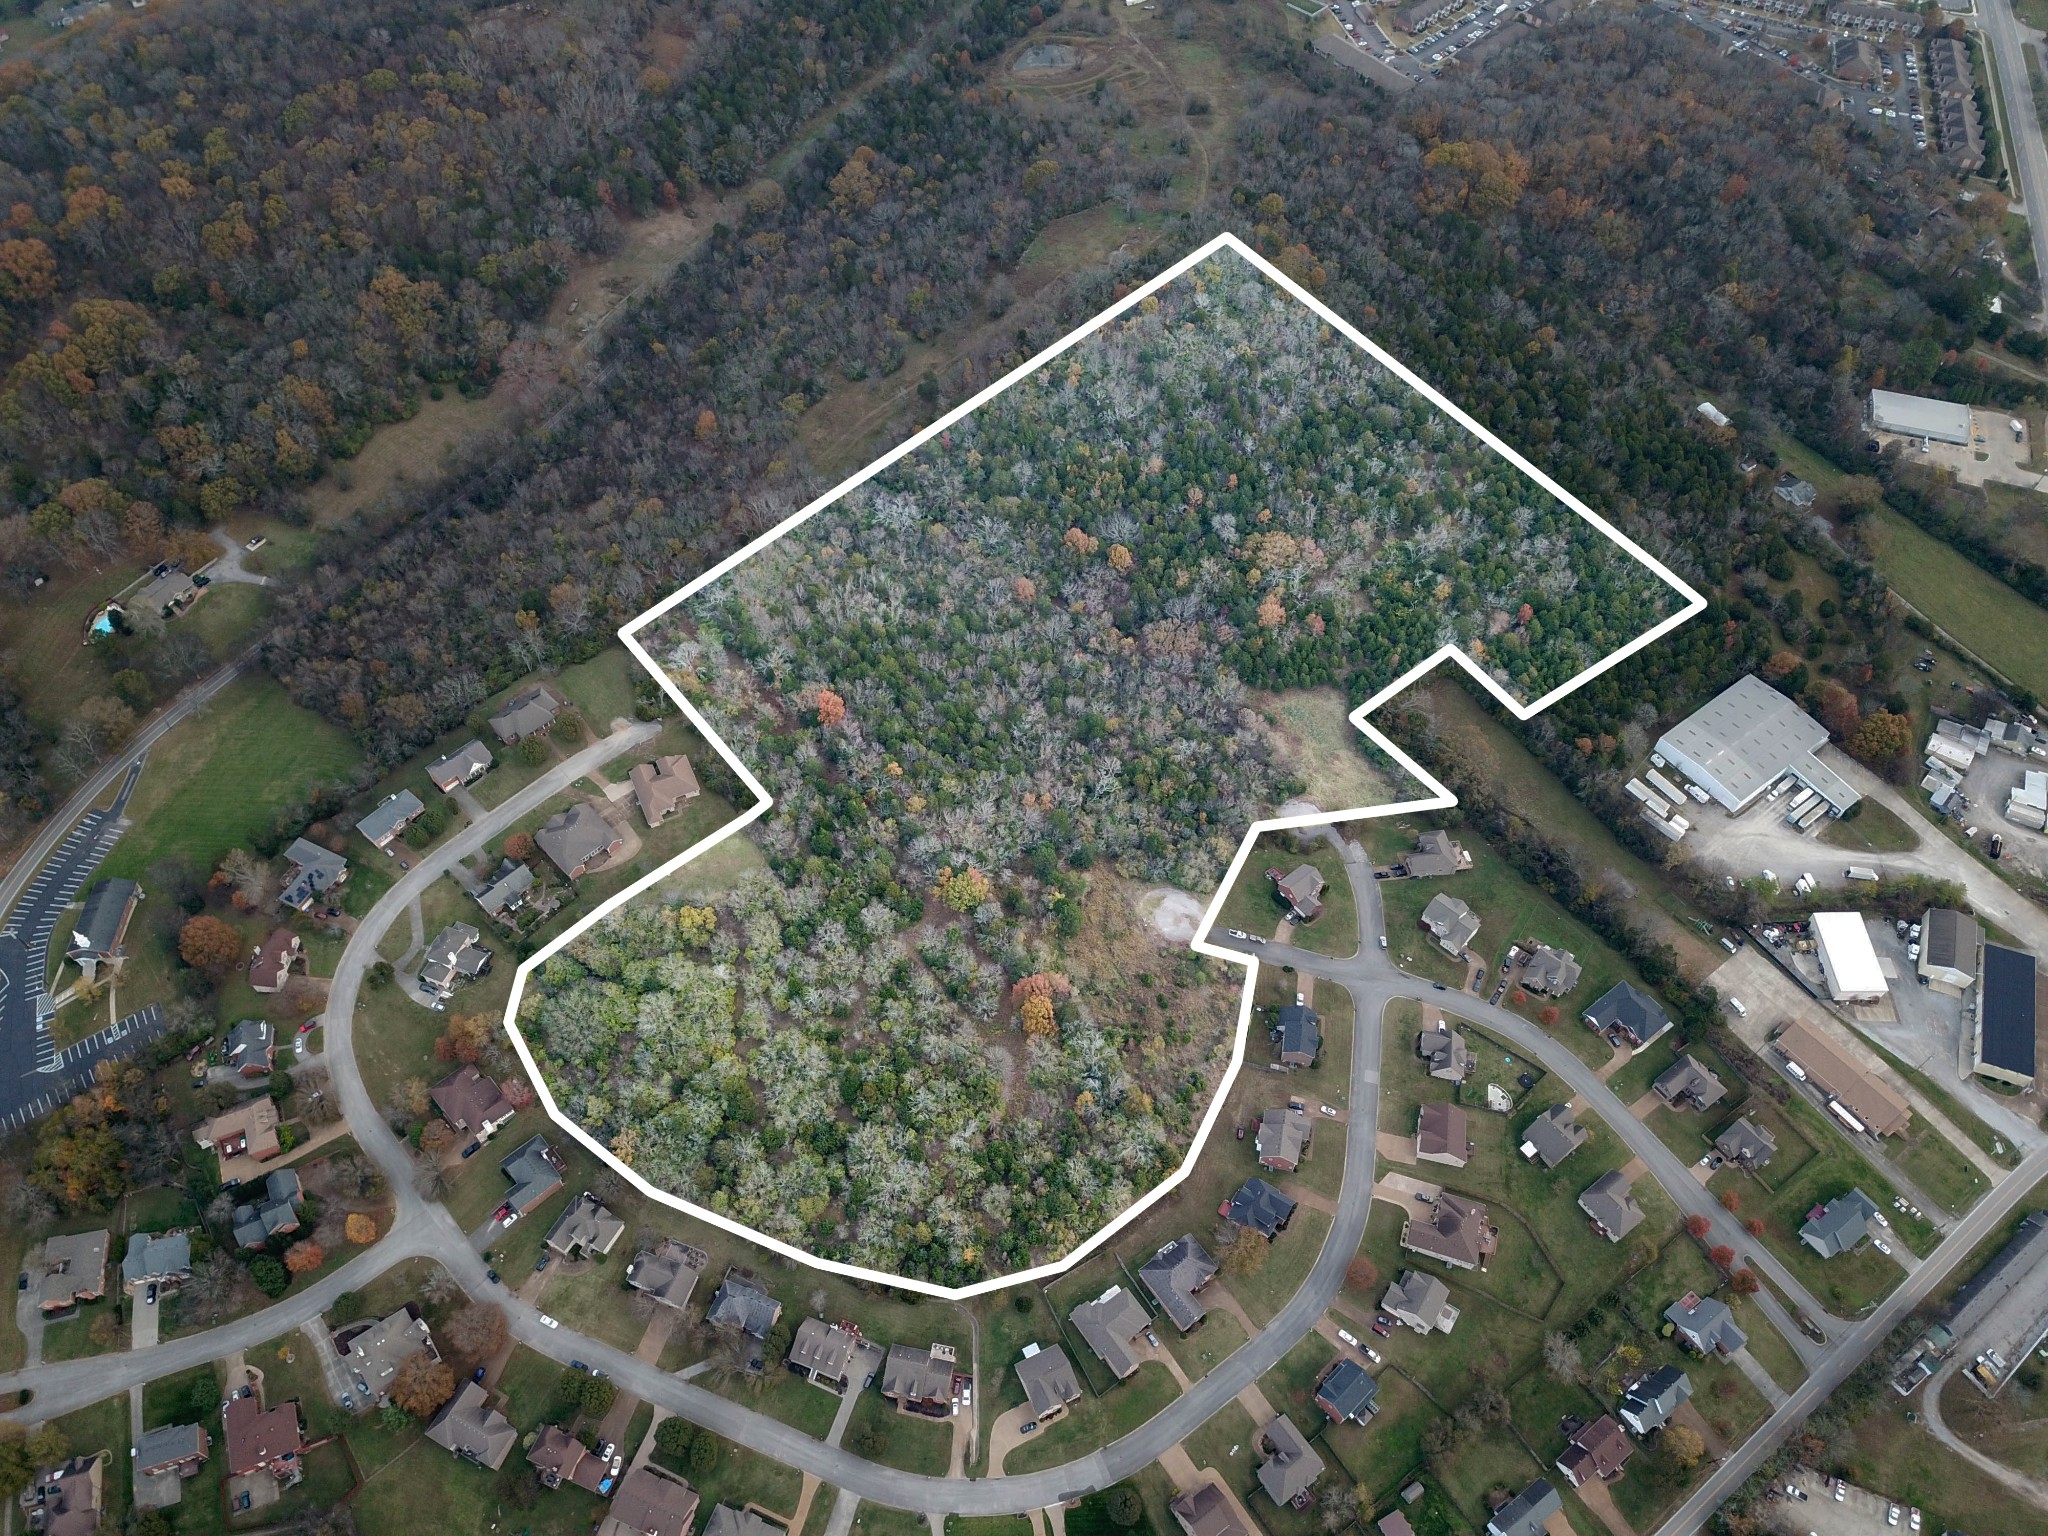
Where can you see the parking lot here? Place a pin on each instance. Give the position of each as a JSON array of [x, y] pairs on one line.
[[1986, 786], [1858, 1512]]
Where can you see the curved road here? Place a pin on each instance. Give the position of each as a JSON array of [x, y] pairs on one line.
[[421, 1228]]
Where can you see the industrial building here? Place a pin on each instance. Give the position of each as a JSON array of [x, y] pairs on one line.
[[1748, 738], [1916, 416], [2005, 1017], [1853, 1096], [1847, 958]]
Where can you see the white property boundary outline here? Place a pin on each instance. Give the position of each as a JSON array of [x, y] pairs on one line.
[[1439, 797]]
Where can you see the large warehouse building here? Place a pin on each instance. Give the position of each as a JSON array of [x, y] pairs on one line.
[[1847, 958], [1940, 421], [2005, 1017], [1747, 738]]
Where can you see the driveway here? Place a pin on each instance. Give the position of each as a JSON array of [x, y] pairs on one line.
[[229, 567]]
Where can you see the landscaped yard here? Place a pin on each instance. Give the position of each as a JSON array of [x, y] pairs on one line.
[[1255, 907], [909, 1442], [1096, 1421]]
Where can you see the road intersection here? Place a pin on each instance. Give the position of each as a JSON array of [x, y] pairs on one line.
[[424, 1228]]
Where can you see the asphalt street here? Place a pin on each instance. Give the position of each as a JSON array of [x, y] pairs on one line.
[[421, 1228], [2026, 154]]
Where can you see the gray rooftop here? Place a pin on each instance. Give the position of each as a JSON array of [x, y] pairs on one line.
[[390, 818], [1554, 1135], [1743, 739]]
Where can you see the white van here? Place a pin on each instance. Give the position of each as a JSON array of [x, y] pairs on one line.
[[1736, 1004]]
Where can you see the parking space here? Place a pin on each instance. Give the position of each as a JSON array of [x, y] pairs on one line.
[[1832, 1507]]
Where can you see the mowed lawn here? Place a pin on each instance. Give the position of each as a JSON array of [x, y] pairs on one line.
[[218, 779]]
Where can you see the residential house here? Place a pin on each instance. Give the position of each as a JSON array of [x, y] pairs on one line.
[[1528, 1513], [240, 1138], [472, 1104], [314, 872], [1596, 1450], [1610, 1206], [1442, 1135], [1650, 1403], [1206, 1510], [577, 838], [391, 817], [1260, 1207], [465, 765], [920, 1380], [454, 956], [663, 787], [1456, 1231], [1393, 1522], [668, 1272], [259, 1439], [1871, 20], [169, 591], [1839, 1225], [1451, 923], [68, 1499], [1420, 1301], [741, 1306], [1417, 17], [727, 1521], [559, 1457], [1299, 1032], [274, 959], [535, 1169], [585, 1227], [1689, 1081], [1302, 890], [1048, 1379], [1795, 492], [1435, 856], [1283, 1137], [650, 1502], [1348, 1393], [823, 1353], [471, 1428], [74, 1269], [1553, 1136], [251, 1048], [1948, 72], [1854, 59], [179, 1448], [274, 1213], [1112, 1324], [1705, 1324], [1291, 1465], [1445, 1052], [100, 937], [156, 1258], [1628, 1016], [1745, 1144], [372, 1352], [1550, 972], [1950, 944], [510, 886], [1175, 1276], [528, 713]]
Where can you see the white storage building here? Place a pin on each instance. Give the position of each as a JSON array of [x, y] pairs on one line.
[[1847, 959], [1745, 739], [1940, 421]]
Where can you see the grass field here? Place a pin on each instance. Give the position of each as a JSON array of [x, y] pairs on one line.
[[1981, 611], [1312, 730], [1874, 829], [1886, 1452], [250, 738]]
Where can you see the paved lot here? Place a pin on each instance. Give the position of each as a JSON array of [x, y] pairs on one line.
[[1985, 786], [1858, 1513], [36, 1077]]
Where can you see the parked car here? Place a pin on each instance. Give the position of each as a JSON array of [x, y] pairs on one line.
[[543, 1262], [149, 1296], [548, 1322], [1382, 1329], [348, 1404]]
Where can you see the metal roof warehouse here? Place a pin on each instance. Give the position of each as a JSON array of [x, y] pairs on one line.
[[1745, 739], [2005, 1023], [1941, 421]]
